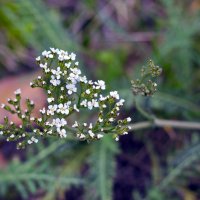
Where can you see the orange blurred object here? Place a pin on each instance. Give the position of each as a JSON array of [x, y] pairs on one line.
[[7, 87], [195, 6]]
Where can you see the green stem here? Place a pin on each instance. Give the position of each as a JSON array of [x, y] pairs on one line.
[[166, 123], [79, 98], [143, 112]]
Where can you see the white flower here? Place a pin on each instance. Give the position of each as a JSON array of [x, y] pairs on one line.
[[121, 102], [100, 119], [50, 55], [63, 109], [3, 105], [36, 140], [99, 136], [114, 94], [50, 132], [43, 111], [54, 81], [47, 54], [84, 103], [18, 91], [87, 91], [102, 98], [53, 50], [57, 72], [39, 119], [72, 56], [128, 119], [44, 66], [100, 85], [50, 99], [75, 108], [74, 77], [81, 136], [90, 82], [38, 58], [29, 142], [71, 88], [111, 119], [91, 134], [90, 126], [68, 64], [67, 72], [83, 79], [47, 70], [117, 108], [62, 55], [59, 122], [75, 125], [76, 71], [117, 139], [51, 109], [33, 139], [93, 103], [62, 133]]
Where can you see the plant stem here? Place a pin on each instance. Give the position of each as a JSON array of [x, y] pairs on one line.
[[164, 123], [143, 112]]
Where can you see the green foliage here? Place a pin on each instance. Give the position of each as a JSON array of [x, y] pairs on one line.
[[36, 173], [177, 53], [185, 166], [101, 171], [111, 64], [30, 22]]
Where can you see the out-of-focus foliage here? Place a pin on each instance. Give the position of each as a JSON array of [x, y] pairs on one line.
[[36, 172], [99, 177], [114, 39], [33, 23], [180, 50]]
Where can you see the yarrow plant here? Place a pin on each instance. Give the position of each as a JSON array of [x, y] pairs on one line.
[[68, 93], [146, 85]]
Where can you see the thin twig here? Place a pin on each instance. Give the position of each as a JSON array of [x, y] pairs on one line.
[[166, 123]]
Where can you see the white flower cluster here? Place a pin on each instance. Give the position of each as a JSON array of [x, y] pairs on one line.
[[69, 92]]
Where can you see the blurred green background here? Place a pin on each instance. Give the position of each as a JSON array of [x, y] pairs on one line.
[[113, 39]]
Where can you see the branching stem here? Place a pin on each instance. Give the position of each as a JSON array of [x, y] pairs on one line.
[[166, 123]]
